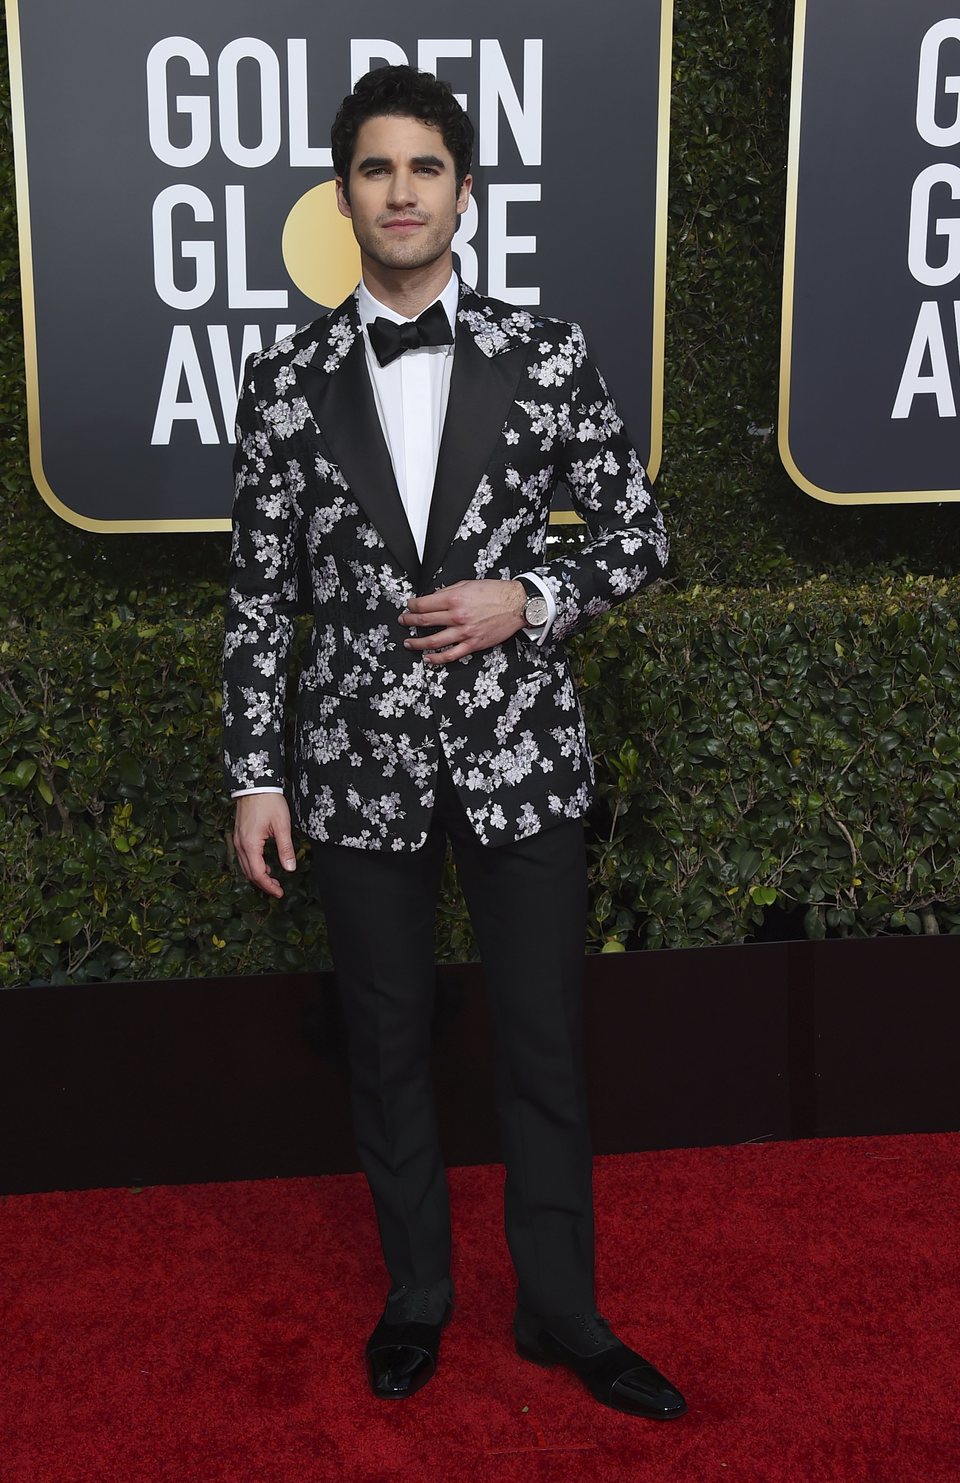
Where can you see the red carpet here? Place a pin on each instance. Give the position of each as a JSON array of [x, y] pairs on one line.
[[805, 1296]]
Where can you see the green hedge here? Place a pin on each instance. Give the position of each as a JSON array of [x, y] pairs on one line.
[[776, 748], [117, 860], [774, 761], [757, 754]]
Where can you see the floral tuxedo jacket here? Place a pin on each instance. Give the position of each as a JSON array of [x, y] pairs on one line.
[[315, 492]]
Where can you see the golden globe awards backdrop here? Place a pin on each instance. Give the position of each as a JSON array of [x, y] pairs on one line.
[[870, 382], [177, 210]]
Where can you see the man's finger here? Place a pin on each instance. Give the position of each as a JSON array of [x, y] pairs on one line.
[[435, 640], [430, 602], [261, 878], [435, 618], [255, 867], [285, 850], [458, 651]]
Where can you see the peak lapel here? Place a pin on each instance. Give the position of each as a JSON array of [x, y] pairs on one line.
[[341, 400], [482, 389]]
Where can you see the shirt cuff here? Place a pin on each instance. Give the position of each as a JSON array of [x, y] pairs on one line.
[[539, 634], [267, 788]]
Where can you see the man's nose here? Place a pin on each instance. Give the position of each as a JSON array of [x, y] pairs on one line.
[[403, 191]]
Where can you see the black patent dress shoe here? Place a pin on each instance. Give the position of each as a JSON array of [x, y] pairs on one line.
[[613, 1374], [403, 1349]]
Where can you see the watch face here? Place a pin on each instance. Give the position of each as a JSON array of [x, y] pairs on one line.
[[535, 612]]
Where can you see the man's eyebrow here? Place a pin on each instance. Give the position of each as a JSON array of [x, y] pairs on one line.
[[381, 162]]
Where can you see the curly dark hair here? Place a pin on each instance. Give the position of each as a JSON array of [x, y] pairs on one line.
[[411, 94]]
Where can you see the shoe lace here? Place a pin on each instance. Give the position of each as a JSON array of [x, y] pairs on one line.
[[411, 1304], [595, 1328]]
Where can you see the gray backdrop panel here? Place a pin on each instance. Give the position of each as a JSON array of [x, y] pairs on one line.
[[102, 330], [856, 303]]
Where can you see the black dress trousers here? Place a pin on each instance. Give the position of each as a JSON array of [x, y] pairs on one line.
[[527, 903]]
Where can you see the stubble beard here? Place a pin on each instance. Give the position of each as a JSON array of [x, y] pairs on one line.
[[408, 253]]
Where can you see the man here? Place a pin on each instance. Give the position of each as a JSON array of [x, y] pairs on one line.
[[403, 450]]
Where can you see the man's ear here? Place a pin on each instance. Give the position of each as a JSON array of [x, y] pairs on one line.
[[463, 194], [343, 204]]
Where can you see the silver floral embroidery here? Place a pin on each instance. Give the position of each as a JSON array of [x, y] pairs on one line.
[[370, 712]]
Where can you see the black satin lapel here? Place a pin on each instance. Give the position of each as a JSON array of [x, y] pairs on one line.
[[482, 390], [344, 410]]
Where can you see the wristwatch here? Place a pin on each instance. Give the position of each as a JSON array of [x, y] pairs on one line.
[[535, 609]]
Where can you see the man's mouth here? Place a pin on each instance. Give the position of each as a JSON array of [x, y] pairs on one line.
[[402, 224]]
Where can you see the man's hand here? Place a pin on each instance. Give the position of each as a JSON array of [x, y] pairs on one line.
[[263, 816], [469, 615]]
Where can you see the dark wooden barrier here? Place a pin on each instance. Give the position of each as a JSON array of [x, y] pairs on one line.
[[208, 1079]]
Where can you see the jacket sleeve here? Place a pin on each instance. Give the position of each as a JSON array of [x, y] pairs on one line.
[[628, 546], [261, 603]]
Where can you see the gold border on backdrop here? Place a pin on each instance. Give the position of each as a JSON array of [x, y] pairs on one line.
[[562, 517], [905, 497], [570, 517], [30, 317], [660, 241]]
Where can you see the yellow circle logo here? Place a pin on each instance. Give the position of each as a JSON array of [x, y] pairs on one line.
[[319, 248]]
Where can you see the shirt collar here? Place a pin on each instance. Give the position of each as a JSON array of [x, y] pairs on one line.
[[370, 308]]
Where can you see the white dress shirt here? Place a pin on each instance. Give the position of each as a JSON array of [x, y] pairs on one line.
[[411, 395]]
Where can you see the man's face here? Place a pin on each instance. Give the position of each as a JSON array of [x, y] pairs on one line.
[[404, 203]]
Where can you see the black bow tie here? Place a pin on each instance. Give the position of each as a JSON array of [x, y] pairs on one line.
[[390, 340]]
